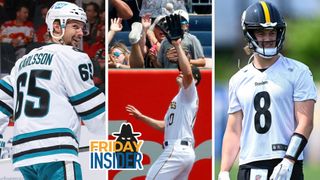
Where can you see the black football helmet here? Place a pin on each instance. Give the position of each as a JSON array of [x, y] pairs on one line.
[[263, 15]]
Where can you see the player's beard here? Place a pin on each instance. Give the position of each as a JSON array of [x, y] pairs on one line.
[[267, 44], [71, 41], [75, 41]]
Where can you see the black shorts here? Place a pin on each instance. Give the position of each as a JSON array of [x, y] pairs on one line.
[[244, 170]]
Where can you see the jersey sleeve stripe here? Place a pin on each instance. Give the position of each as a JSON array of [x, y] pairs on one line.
[[61, 149], [43, 132], [44, 136], [4, 86], [74, 103], [84, 96], [5, 109], [92, 112]]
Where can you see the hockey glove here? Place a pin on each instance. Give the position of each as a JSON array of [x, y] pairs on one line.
[[283, 170], [224, 175], [172, 27]]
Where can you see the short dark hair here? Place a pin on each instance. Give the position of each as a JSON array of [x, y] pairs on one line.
[[45, 5], [196, 74], [95, 6], [22, 5]]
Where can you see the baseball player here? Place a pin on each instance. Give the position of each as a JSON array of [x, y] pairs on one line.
[[178, 156], [271, 104], [48, 92]]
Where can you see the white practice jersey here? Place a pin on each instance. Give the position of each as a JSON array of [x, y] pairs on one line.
[[181, 115], [52, 91], [267, 102]]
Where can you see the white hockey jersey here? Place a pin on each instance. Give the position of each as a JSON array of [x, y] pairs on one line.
[[52, 91], [181, 115], [267, 102]]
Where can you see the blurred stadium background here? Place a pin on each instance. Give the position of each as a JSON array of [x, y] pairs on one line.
[[302, 43]]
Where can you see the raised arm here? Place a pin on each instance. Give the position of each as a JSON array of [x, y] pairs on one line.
[[123, 9], [146, 23], [115, 27], [174, 33], [183, 63]]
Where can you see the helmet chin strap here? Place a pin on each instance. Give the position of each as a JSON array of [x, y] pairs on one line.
[[266, 53]]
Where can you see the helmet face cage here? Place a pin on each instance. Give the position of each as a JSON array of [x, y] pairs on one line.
[[64, 11], [259, 16]]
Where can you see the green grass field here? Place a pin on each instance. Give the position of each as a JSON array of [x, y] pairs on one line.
[[311, 172]]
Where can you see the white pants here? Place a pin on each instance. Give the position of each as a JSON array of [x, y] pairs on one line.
[[175, 162]]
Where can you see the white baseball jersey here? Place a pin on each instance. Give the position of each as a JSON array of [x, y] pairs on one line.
[[52, 91], [177, 159], [267, 102], [181, 115]]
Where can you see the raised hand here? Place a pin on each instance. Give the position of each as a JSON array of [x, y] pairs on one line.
[[116, 25], [146, 21]]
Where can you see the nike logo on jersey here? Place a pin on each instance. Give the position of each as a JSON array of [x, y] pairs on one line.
[[260, 83]]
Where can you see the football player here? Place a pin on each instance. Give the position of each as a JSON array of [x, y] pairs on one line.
[[271, 104]]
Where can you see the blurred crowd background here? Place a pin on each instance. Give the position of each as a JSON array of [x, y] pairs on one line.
[[135, 39]]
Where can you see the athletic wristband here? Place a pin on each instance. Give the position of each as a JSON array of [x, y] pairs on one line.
[[224, 175], [296, 146]]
